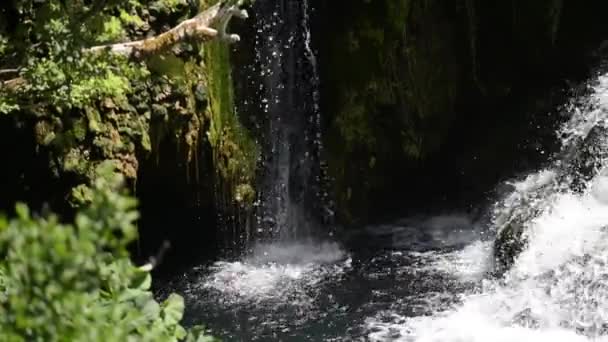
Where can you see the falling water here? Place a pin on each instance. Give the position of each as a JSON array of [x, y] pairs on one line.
[[291, 196], [430, 278], [422, 278], [557, 288]]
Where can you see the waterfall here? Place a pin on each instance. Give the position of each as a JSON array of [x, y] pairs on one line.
[[291, 195], [556, 286], [422, 278]]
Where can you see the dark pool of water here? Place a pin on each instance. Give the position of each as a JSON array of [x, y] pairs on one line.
[[328, 291]]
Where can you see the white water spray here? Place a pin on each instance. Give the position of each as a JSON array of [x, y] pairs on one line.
[[557, 288], [292, 186], [274, 273]]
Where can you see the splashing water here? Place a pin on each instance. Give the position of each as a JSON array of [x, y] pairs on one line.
[[557, 289], [316, 291], [430, 278], [275, 289], [292, 199], [275, 271]]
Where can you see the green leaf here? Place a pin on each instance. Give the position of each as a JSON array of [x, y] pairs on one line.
[[23, 212], [151, 309], [112, 30], [173, 309], [142, 281], [7, 107]]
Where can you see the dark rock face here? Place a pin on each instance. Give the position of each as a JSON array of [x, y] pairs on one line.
[[25, 175], [526, 200], [411, 86], [509, 243]]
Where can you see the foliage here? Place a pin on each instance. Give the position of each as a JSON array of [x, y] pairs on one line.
[[95, 115], [75, 282], [88, 108]]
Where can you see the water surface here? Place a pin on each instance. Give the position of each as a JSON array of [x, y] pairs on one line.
[[428, 278]]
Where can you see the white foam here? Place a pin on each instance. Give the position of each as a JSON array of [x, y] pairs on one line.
[[591, 113], [599, 188], [534, 181], [570, 228], [275, 272], [567, 244], [557, 289], [468, 264]]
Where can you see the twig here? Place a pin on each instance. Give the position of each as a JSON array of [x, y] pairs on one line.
[[207, 25], [156, 260]]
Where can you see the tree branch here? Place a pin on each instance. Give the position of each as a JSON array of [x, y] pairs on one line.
[[206, 26], [8, 71]]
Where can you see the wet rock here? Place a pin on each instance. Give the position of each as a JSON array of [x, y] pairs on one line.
[[521, 206], [509, 243]]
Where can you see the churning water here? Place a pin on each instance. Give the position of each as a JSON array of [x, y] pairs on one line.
[[316, 291], [557, 288], [429, 278]]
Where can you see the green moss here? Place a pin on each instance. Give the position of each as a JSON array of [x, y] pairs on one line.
[[235, 153], [122, 111]]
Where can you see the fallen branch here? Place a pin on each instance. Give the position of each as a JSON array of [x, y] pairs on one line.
[[156, 260], [208, 25], [8, 71]]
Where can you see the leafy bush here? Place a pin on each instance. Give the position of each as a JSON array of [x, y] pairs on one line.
[[75, 282]]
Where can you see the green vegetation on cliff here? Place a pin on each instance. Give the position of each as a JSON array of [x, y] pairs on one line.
[[88, 106], [235, 153]]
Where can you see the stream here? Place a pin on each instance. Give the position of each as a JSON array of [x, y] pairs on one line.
[[429, 278]]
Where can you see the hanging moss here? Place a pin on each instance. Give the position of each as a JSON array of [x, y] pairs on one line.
[[235, 153]]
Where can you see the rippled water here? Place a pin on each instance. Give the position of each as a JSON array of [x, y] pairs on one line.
[[323, 291]]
